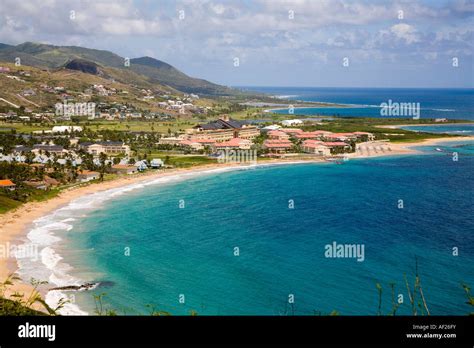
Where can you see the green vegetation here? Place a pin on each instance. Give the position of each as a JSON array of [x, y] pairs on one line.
[[18, 304], [373, 125], [21, 304], [7, 204], [188, 161], [141, 71]]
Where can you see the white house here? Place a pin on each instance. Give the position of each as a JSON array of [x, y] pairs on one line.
[[156, 163], [141, 165], [271, 128], [63, 129], [289, 123], [87, 175]]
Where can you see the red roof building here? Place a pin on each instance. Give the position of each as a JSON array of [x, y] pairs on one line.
[[277, 145], [6, 183]]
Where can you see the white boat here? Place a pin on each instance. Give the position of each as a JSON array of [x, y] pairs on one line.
[[439, 150]]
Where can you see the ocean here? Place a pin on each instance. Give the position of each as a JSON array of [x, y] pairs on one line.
[[365, 102], [170, 244], [457, 129]]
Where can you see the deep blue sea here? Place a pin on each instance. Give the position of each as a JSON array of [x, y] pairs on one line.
[[150, 244], [365, 102]]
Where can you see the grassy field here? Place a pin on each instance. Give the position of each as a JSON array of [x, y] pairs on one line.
[[125, 126], [188, 161], [21, 127], [7, 204]]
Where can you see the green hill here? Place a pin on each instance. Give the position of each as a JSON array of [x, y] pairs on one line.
[[144, 68]]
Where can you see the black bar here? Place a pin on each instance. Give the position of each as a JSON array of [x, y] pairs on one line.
[[139, 330]]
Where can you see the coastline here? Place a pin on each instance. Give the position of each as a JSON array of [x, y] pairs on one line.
[[15, 225], [399, 126], [406, 148]]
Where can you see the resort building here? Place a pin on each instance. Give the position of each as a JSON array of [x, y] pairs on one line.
[[235, 143], [338, 145], [337, 137], [124, 169], [316, 147], [291, 131], [170, 140], [306, 135], [87, 175], [225, 129], [52, 149], [365, 136], [277, 146], [278, 135], [191, 144], [205, 142], [217, 135], [107, 147]]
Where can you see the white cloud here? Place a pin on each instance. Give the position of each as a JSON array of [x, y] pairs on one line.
[[257, 31], [405, 32]]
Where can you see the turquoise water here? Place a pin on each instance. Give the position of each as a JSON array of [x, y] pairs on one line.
[[458, 129], [451, 103], [190, 250]]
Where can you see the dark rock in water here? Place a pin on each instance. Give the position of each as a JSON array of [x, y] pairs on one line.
[[105, 284], [86, 286]]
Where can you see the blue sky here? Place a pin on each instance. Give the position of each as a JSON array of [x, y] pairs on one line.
[[277, 42]]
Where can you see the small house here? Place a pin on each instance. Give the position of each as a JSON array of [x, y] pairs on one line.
[[7, 184], [156, 163]]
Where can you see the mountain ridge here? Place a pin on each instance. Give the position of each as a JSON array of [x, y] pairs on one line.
[[154, 70]]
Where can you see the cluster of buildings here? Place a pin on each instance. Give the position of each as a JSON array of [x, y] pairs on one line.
[[46, 155], [318, 142], [107, 147], [101, 90], [182, 106], [224, 133]]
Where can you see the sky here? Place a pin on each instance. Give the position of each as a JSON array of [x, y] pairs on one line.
[[317, 43]]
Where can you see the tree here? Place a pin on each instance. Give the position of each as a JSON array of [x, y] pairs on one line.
[[103, 166]]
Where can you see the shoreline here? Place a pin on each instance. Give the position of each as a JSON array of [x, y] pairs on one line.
[[407, 148], [16, 224], [399, 126]]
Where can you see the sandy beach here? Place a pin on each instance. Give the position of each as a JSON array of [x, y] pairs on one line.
[[382, 148], [14, 224]]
